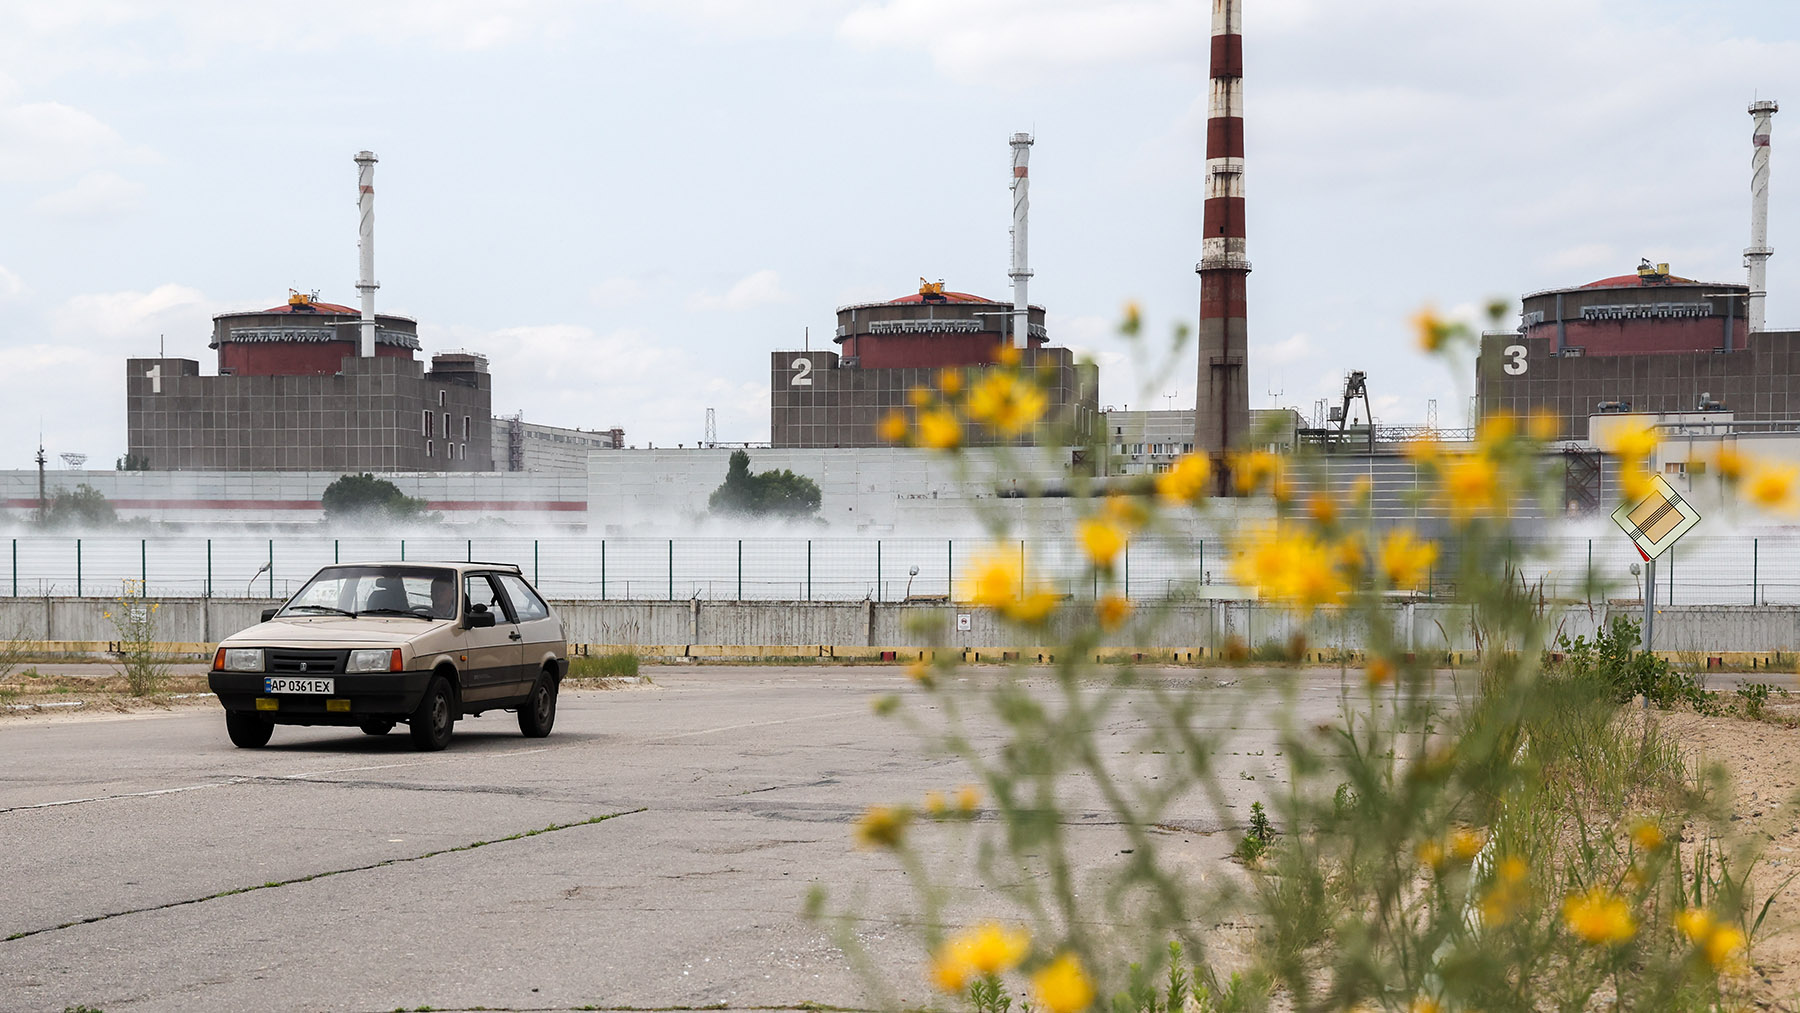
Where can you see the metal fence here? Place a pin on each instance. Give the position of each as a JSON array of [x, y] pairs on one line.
[[1726, 569]]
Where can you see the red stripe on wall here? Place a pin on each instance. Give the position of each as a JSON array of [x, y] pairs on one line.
[[1228, 56], [1222, 294], [1225, 137], [1224, 216]]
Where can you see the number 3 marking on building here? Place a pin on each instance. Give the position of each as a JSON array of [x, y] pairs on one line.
[[1515, 360], [804, 377]]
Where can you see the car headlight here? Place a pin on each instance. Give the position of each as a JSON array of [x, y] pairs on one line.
[[243, 659], [382, 660]]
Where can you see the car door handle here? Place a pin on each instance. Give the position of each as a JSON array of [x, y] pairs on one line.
[[514, 635]]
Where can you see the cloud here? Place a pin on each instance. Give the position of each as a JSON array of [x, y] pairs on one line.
[[48, 141], [1297, 348], [98, 194], [762, 288], [134, 318], [11, 285]]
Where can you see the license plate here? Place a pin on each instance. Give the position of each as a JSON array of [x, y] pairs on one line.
[[287, 684]]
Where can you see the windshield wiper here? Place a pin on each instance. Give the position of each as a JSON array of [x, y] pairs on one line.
[[322, 608], [396, 612]]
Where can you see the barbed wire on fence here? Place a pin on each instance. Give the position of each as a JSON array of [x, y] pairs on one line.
[[1702, 570]]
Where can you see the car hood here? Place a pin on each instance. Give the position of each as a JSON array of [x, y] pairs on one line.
[[340, 631]]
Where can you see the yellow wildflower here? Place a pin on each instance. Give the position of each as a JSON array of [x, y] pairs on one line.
[[1495, 430], [1465, 844], [1729, 463], [1426, 451], [994, 949], [1430, 854], [920, 672], [882, 826], [919, 396], [950, 381], [967, 798], [1599, 916], [1634, 443], [1009, 355], [1251, 471], [1543, 425], [1772, 487], [1512, 870], [1696, 923], [949, 971], [934, 803], [1134, 318], [1062, 986], [1647, 835], [1379, 671], [1031, 608], [1112, 611], [1291, 566], [1186, 480], [994, 578], [1405, 559], [1724, 948], [893, 427], [1102, 539], [1431, 330], [1007, 403], [1426, 1004], [939, 429], [1472, 487], [1323, 509], [1360, 487]]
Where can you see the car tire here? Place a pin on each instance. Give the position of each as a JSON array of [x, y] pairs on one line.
[[435, 719], [248, 729], [377, 726], [539, 713]]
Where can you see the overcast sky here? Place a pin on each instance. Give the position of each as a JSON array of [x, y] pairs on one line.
[[628, 205]]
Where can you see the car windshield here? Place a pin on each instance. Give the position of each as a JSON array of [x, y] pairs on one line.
[[426, 592]]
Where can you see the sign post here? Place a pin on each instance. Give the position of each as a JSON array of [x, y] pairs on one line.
[[1654, 523]]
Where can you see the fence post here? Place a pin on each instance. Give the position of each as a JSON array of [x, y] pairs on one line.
[[15, 593], [1127, 569], [602, 565], [1202, 559], [534, 561], [877, 569], [209, 566], [469, 555], [740, 594], [949, 569], [143, 567], [1589, 582], [671, 569], [272, 566], [1670, 599], [334, 550], [402, 550], [78, 568], [1755, 596], [809, 569], [1022, 583]]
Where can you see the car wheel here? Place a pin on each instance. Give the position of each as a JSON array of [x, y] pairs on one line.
[[377, 726], [539, 712], [435, 718], [248, 729]]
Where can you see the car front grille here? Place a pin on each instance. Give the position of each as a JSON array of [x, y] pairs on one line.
[[290, 661]]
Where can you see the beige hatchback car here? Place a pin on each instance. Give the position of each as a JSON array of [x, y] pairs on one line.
[[372, 645]]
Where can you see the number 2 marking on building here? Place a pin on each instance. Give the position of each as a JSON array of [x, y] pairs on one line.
[[1515, 360], [804, 377]]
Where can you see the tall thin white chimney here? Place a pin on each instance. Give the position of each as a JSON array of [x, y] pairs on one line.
[[1756, 258], [365, 243], [1021, 272]]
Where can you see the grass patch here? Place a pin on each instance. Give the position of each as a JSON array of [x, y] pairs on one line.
[[616, 665]]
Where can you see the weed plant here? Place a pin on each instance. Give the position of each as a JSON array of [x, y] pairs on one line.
[[134, 617], [1531, 845], [613, 665]]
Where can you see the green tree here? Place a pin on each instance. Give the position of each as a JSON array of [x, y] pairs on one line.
[[82, 507], [770, 493], [132, 462], [365, 497]]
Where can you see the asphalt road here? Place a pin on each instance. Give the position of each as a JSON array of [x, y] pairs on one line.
[[149, 865]]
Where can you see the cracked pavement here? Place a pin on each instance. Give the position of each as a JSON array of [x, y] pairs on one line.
[[654, 851]]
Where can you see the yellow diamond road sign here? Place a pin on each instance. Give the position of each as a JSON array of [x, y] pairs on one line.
[[1656, 521]]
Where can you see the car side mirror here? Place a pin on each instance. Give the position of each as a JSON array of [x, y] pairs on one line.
[[478, 620], [268, 614]]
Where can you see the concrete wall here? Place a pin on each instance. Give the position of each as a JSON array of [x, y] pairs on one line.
[[1204, 627]]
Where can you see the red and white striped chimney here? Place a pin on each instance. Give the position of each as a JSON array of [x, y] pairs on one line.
[[1222, 397]]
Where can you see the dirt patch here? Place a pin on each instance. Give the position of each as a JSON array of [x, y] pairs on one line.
[[1763, 761], [31, 694]]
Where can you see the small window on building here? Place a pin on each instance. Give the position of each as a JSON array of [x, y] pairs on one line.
[[441, 396], [465, 427], [446, 425], [425, 430], [428, 448], [1675, 468]]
